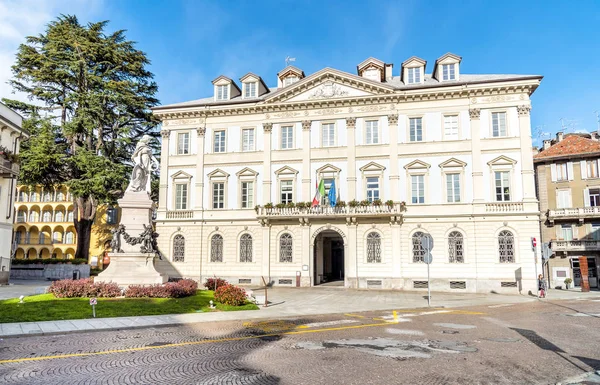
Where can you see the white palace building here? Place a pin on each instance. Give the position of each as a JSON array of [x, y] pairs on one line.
[[411, 153]]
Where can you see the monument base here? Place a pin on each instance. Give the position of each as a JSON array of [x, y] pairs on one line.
[[131, 269]]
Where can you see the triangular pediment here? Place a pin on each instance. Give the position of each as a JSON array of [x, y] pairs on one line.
[[328, 168], [246, 172], [502, 161], [329, 84], [286, 170], [181, 175], [372, 166], [218, 173], [453, 163], [417, 165]]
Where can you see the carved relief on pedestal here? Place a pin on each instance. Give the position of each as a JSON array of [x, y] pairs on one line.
[[267, 127], [350, 122], [523, 110], [474, 113], [393, 119], [306, 124]]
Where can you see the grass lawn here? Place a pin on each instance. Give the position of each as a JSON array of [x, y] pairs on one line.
[[45, 307]]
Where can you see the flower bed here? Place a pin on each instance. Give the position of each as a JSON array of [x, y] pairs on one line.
[[69, 288], [48, 261], [181, 288], [230, 295]]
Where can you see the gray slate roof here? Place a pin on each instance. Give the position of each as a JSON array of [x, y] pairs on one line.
[[395, 81]]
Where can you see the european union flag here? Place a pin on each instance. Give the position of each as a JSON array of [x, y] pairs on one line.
[[332, 194]]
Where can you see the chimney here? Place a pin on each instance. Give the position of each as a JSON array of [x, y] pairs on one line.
[[547, 144], [559, 136], [388, 71]]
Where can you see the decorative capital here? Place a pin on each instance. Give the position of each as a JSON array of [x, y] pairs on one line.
[[523, 110], [350, 122], [474, 113], [201, 131], [306, 124], [165, 134], [393, 119], [267, 127]]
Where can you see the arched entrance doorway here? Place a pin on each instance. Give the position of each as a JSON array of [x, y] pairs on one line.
[[329, 251]]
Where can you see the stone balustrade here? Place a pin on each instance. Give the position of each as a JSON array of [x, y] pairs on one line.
[[575, 245]]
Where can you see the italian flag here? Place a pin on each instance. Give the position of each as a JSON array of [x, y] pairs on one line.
[[319, 194]]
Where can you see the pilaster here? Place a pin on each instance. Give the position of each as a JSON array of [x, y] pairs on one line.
[[306, 278], [478, 195], [267, 128], [396, 251], [527, 173], [306, 173], [199, 201], [394, 176], [350, 257], [351, 139], [164, 171], [266, 252]]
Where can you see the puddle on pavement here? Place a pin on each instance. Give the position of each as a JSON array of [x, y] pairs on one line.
[[456, 326], [385, 347]]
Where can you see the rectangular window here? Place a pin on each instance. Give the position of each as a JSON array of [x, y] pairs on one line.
[[594, 197], [595, 233], [372, 188], [372, 131], [250, 90], [564, 199], [183, 143], [181, 196], [287, 191], [451, 127], [567, 232], [248, 139], [287, 137], [219, 141], [418, 188], [448, 72], [328, 134], [223, 92], [218, 195], [561, 171], [498, 124], [290, 80], [502, 183], [414, 75], [592, 168], [416, 129], [247, 195], [453, 188], [327, 182]]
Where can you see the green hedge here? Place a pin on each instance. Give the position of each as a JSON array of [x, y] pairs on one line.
[[48, 261]]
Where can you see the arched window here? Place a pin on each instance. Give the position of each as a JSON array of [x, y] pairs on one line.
[[57, 237], [60, 197], [178, 248], [70, 216], [216, 248], [47, 197], [455, 247], [70, 238], [506, 246], [34, 216], [47, 216], [373, 247], [60, 216], [246, 248], [286, 248], [418, 240]]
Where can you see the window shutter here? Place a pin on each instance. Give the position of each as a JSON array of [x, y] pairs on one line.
[[570, 170], [583, 166], [575, 230], [558, 232], [586, 197], [569, 199], [553, 172]]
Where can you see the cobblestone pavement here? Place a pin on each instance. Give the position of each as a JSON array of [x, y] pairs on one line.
[[543, 342]]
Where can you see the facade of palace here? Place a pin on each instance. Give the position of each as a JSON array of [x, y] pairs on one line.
[[568, 183], [44, 226], [11, 134], [416, 158]]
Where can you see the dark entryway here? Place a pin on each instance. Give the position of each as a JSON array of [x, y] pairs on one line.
[[329, 257]]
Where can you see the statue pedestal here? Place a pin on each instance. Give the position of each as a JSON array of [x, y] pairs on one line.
[[131, 269], [136, 212]]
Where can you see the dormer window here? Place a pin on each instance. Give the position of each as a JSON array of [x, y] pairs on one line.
[[250, 90], [372, 69], [288, 76], [223, 92], [372, 74], [448, 72], [290, 80], [413, 70], [414, 75]]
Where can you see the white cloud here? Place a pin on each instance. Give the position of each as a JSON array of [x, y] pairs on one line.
[[22, 18]]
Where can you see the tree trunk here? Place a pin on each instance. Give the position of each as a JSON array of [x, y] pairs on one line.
[[84, 213]]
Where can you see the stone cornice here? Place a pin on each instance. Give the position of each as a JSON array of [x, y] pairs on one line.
[[503, 91]]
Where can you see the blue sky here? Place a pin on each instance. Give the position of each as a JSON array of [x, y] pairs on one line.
[[192, 42]]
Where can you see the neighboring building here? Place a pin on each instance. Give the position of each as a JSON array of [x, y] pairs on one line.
[[44, 225], [455, 147], [568, 183], [11, 134]]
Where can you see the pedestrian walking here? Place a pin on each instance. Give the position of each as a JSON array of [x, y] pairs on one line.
[[541, 287]]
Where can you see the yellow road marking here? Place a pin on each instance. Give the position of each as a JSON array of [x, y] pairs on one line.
[[354, 315], [127, 350]]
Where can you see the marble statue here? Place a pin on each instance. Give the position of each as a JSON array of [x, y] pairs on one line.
[[144, 162]]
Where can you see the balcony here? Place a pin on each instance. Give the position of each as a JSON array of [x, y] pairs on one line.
[[180, 214], [579, 245], [504, 207], [8, 168], [579, 213], [335, 212]]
